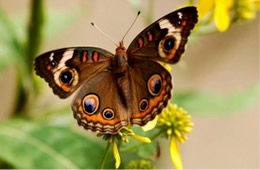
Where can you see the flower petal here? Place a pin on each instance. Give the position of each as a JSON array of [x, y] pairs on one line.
[[204, 7], [141, 138], [175, 154], [221, 14], [116, 155], [150, 125]]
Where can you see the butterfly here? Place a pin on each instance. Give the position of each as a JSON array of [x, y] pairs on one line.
[[127, 88]]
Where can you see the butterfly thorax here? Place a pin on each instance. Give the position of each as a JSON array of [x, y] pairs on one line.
[[120, 63]]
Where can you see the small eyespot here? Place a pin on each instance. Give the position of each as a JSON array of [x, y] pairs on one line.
[[90, 104], [154, 85], [143, 105], [168, 44], [53, 63], [108, 114], [179, 22], [66, 77]]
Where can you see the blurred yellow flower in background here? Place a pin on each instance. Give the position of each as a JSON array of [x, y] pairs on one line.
[[225, 11], [247, 9], [220, 13]]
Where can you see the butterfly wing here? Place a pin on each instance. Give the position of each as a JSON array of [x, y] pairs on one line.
[[165, 39], [67, 68], [150, 85], [98, 105]]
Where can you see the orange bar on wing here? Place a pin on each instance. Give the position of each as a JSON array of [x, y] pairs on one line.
[[95, 56], [150, 36], [140, 42], [84, 58]]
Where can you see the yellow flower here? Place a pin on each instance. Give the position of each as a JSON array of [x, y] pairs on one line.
[[226, 11], [140, 164], [247, 9], [116, 154], [175, 122], [221, 11], [121, 136]]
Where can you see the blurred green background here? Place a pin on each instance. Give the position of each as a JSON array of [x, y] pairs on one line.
[[217, 81]]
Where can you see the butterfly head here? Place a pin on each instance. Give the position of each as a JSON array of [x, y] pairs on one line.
[[121, 61], [121, 48]]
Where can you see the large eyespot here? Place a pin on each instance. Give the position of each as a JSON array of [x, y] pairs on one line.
[[66, 77], [90, 103], [154, 85], [108, 114], [143, 105], [168, 43]]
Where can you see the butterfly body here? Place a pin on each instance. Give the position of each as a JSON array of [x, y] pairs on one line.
[[121, 89]]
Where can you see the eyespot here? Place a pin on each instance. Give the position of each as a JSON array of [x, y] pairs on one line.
[[90, 104], [143, 105], [154, 85], [53, 63], [168, 44], [108, 114], [66, 77], [179, 22]]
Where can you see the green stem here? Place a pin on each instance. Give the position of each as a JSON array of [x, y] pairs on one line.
[[102, 163], [26, 86], [35, 27]]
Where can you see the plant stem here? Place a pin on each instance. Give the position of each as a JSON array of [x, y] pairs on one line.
[[102, 163], [35, 27], [26, 85]]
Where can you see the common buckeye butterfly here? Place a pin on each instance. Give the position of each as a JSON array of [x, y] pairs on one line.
[[127, 88]]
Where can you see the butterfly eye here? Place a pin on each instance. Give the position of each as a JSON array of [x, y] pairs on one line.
[[90, 104], [143, 105], [108, 114], [154, 85], [168, 44]]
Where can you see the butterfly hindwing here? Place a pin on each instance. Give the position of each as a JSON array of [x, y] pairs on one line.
[[165, 39], [67, 68], [98, 105], [150, 88]]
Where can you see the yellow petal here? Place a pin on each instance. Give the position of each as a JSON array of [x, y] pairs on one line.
[[175, 154], [221, 15], [141, 138], [204, 6], [169, 132], [116, 155], [150, 125]]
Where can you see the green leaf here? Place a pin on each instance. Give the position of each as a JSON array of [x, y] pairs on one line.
[[202, 103], [25, 144]]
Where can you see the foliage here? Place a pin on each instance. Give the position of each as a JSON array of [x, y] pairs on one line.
[[36, 142]]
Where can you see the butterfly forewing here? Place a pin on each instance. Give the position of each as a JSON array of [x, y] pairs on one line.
[[67, 68], [165, 39]]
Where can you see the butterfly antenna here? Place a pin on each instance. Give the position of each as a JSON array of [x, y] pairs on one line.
[[94, 25], [138, 13]]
